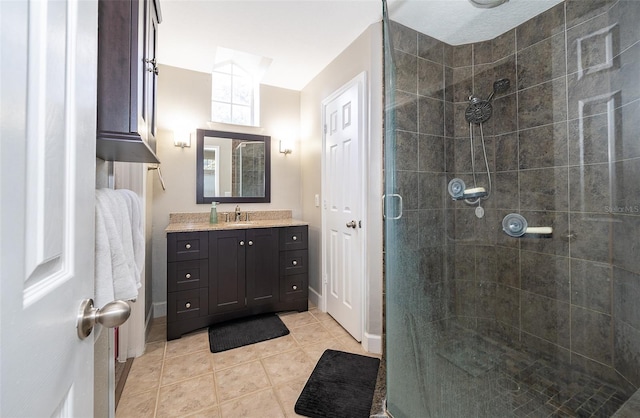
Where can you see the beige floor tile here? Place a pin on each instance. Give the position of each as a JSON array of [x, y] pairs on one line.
[[310, 334], [140, 405], [263, 404], [186, 367], [320, 316], [145, 371], [335, 329], [276, 345], [315, 351], [229, 358], [240, 380], [188, 396], [158, 331], [296, 319], [207, 413], [288, 366], [288, 394], [189, 343], [352, 346]]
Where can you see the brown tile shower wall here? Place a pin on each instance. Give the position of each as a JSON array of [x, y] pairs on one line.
[[564, 151]]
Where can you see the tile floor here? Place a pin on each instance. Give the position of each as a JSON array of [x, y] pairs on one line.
[[182, 378]]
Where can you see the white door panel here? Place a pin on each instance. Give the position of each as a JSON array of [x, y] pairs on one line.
[[344, 191], [47, 187]]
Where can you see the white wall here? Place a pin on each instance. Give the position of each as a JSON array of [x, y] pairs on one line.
[[184, 102], [364, 54]]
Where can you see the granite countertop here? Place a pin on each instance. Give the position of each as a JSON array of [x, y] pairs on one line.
[[190, 222]]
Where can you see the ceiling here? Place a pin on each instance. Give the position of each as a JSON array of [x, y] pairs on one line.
[[301, 37]]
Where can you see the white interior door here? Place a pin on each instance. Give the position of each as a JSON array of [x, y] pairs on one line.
[[343, 205], [47, 183]]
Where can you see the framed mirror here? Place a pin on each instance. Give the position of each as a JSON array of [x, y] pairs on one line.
[[233, 167]]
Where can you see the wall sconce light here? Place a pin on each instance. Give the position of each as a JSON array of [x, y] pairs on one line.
[[286, 147], [181, 139]]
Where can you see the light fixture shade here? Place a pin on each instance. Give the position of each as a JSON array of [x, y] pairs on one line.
[[487, 4], [182, 139]]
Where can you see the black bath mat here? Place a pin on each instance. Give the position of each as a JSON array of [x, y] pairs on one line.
[[341, 386], [245, 331]]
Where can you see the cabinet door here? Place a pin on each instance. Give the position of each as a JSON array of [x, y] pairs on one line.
[[262, 266], [150, 70], [227, 255]]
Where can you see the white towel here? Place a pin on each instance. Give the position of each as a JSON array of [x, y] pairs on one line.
[[134, 207], [116, 270]]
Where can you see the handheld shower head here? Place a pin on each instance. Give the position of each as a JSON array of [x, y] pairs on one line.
[[499, 86]]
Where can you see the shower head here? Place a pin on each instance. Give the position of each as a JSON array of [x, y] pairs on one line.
[[499, 86]]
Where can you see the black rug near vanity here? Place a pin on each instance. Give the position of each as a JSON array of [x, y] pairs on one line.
[[341, 385], [240, 332]]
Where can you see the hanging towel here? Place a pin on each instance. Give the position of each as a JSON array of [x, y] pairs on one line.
[[116, 273], [134, 208]]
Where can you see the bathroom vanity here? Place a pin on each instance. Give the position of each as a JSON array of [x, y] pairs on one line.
[[230, 270]]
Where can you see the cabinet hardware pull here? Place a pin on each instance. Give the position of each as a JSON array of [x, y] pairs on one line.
[[187, 305], [294, 238], [250, 243], [295, 287], [188, 275], [241, 243], [187, 246], [294, 262]]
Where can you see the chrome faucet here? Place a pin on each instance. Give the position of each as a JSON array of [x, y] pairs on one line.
[[238, 213]]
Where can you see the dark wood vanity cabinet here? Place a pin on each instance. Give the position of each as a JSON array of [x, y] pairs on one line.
[[229, 274], [127, 80]]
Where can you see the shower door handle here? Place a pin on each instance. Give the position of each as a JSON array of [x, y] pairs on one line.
[[384, 208]]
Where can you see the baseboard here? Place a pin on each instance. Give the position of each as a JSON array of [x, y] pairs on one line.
[[159, 309], [315, 298], [372, 343]]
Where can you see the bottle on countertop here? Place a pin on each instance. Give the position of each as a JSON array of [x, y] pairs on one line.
[[213, 217]]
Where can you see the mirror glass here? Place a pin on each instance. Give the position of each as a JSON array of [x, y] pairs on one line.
[[233, 167]]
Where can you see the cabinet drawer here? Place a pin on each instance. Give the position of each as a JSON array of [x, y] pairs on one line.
[[293, 238], [187, 304], [186, 275], [183, 246], [293, 287], [293, 262]]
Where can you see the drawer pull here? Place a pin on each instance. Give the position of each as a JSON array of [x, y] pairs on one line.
[[294, 262], [250, 243], [294, 238], [294, 287], [187, 305], [241, 243], [188, 275], [187, 246]]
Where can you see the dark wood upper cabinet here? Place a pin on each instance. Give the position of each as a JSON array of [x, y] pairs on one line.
[[127, 80]]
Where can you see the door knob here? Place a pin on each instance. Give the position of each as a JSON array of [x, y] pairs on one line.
[[352, 224], [111, 315]]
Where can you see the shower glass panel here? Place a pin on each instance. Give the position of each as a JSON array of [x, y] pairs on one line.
[[480, 323]]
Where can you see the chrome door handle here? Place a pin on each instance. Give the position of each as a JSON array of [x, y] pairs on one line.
[[352, 224], [111, 315]]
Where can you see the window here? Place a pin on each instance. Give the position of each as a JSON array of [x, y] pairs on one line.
[[234, 95]]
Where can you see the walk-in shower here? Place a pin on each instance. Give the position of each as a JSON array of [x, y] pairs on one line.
[[530, 309]]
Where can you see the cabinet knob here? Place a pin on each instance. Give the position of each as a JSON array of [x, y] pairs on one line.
[[294, 287], [250, 243], [294, 238], [187, 305], [294, 262], [188, 275], [241, 243], [187, 246]]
